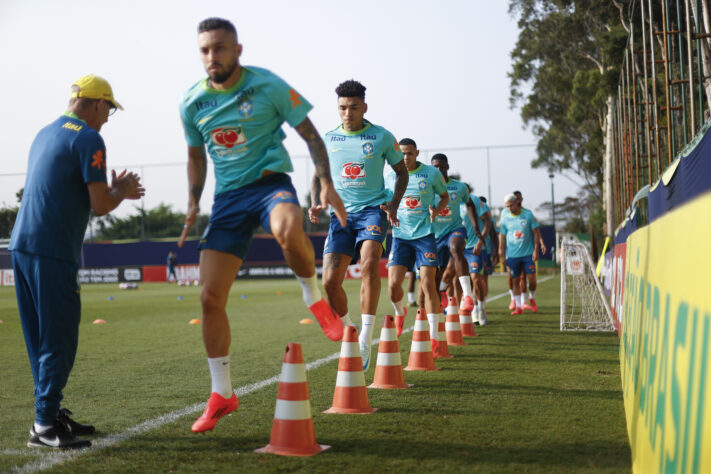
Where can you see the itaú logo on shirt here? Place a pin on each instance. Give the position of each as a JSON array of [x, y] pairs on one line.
[[518, 235], [228, 136], [412, 202], [353, 170], [446, 212]]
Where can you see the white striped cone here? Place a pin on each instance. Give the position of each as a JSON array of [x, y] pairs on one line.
[[388, 368], [293, 428], [454, 331], [467, 324], [350, 396], [421, 349], [443, 346]]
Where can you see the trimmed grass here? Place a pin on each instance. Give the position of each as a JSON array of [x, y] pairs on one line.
[[522, 397]]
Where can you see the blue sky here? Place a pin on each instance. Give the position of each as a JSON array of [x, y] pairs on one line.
[[435, 72]]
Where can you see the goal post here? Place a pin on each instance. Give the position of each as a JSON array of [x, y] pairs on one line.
[[583, 306]]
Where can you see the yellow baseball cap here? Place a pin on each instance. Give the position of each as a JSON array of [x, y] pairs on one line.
[[94, 87]]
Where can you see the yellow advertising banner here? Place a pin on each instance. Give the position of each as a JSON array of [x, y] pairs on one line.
[[665, 356]]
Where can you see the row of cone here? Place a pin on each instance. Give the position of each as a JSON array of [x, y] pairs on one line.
[[293, 431]]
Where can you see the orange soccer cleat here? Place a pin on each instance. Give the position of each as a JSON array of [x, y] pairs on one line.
[[512, 305], [527, 307], [330, 322], [217, 407], [400, 323], [435, 348], [517, 311], [534, 306]]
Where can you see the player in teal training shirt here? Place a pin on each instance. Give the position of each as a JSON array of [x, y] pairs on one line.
[[481, 256], [413, 239], [358, 151], [237, 112], [519, 243]]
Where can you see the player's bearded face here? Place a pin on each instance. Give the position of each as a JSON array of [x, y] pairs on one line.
[[219, 73], [220, 53]]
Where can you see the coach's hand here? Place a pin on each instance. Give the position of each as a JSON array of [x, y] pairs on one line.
[[329, 196], [391, 211], [190, 218]]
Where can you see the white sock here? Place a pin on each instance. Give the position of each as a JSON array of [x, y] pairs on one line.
[[220, 373], [512, 294], [410, 296], [442, 286], [366, 329], [482, 303], [347, 321], [399, 311], [531, 294], [309, 287], [432, 319], [41, 428], [466, 284], [519, 300]]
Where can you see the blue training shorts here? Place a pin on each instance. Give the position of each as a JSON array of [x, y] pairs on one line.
[[419, 252], [518, 264], [370, 223], [479, 264], [237, 213], [443, 245]]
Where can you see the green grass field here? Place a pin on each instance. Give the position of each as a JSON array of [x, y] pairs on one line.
[[522, 397]]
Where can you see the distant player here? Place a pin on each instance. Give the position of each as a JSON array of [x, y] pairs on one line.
[[237, 113], [171, 261], [66, 180], [451, 235], [519, 243], [413, 241], [476, 252], [358, 151]]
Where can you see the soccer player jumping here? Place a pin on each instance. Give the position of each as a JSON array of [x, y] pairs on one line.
[[358, 151], [237, 112]]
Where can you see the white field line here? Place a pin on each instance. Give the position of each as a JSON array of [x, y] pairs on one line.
[[48, 459]]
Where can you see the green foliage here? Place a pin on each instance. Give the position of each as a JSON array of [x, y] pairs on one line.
[[522, 397], [8, 216], [159, 222]]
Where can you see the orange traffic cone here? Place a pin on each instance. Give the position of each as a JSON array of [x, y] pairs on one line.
[[421, 349], [443, 346], [388, 368], [293, 428], [467, 325], [454, 332], [351, 395]]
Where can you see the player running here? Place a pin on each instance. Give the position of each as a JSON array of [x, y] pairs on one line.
[[451, 235], [358, 151], [237, 112], [477, 254], [519, 243], [413, 240]]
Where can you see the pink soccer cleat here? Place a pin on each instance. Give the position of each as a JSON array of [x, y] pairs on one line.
[[330, 322], [512, 305], [217, 407], [517, 311], [527, 307], [534, 306], [467, 303]]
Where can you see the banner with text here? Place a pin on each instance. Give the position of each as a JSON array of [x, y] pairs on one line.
[[665, 353]]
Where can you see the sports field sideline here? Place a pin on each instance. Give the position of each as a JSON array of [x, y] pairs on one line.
[[521, 397]]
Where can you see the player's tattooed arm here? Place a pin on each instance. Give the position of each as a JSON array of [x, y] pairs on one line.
[[401, 179], [327, 194], [197, 172]]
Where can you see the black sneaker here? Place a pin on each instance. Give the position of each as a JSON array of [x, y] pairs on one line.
[[72, 426], [56, 437]]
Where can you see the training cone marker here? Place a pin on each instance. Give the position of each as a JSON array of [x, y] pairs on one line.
[[454, 331], [195, 321], [466, 323], [99, 321], [350, 396], [293, 428], [443, 352], [421, 349], [388, 368], [306, 321]]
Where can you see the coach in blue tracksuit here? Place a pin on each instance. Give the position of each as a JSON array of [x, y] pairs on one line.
[[66, 179]]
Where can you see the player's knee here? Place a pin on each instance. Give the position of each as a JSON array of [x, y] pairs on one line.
[[331, 286], [211, 300], [369, 266]]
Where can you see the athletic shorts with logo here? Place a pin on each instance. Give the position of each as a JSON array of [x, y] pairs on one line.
[[521, 264], [370, 223], [238, 213], [479, 264], [443, 253], [418, 252]]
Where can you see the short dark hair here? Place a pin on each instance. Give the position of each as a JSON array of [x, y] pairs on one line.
[[407, 141], [440, 156], [482, 199], [351, 88], [215, 23], [518, 193]]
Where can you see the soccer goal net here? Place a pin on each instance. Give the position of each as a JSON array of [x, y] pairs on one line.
[[583, 306]]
